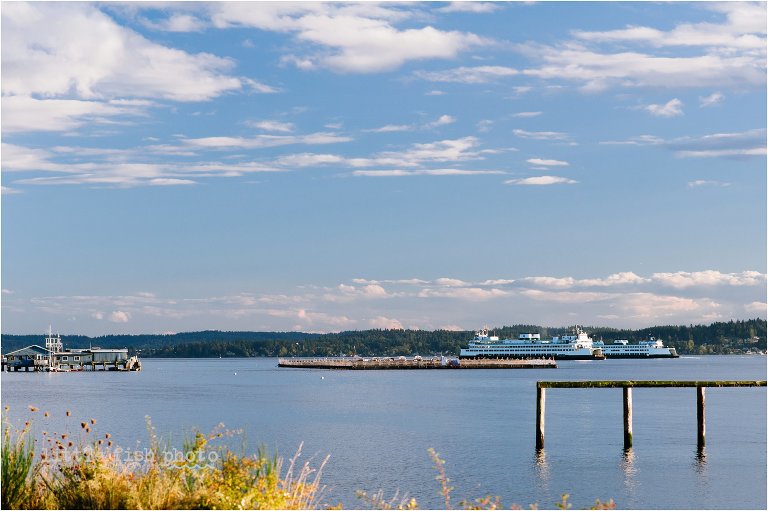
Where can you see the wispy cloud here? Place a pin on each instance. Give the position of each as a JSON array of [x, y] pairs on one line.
[[541, 135], [468, 75], [547, 163], [672, 108], [541, 181], [750, 143], [704, 182], [347, 38], [267, 125], [730, 53], [624, 298], [713, 99]]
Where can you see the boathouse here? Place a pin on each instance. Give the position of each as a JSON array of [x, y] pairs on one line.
[[55, 358], [30, 357]]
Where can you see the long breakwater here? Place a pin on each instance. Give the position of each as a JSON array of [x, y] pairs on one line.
[[414, 363]]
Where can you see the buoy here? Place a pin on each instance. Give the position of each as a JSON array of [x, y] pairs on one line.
[[322, 377], [235, 374]]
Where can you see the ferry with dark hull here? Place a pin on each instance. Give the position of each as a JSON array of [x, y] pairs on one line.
[[567, 347], [578, 346]]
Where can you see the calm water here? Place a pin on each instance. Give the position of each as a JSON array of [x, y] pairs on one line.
[[377, 426]]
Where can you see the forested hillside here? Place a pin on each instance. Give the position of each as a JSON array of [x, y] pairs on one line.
[[717, 338]]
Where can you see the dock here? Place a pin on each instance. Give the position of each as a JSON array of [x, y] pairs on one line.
[[377, 363], [54, 358]]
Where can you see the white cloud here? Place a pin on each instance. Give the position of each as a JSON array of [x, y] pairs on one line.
[[672, 108], [713, 99], [423, 172], [703, 182], [307, 160], [348, 38], [723, 153], [449, 282], [616, 279], [385, 323], [743, 29], [390, 128], [179, 22], [475, 7], [113, 168], [23, 113], [468, 75], [548, 163], [757, 307], [750, 143], [541, 135], [682, 279], [266, 125], [576, 297], [527, 114], [541, 181], [119, 317], [653, 306], [471, 294], [730, 53], [441, 121], [261, 141], [93, 57]]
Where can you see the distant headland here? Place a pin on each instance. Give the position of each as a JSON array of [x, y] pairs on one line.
[[731, 337]]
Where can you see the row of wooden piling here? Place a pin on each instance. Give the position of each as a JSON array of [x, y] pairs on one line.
[[627, 387]]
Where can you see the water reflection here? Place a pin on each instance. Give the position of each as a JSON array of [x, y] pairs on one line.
[[629, 470], [542, 469], [700, 461]]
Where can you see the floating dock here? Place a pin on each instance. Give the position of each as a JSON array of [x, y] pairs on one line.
[[415, 363]]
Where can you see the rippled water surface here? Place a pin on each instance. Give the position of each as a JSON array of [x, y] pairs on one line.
[[377, 426]]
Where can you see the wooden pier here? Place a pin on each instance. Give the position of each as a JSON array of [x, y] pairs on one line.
[[372, 363], [627, 387]]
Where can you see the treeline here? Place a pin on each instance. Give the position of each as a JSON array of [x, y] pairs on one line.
[[717, 338]]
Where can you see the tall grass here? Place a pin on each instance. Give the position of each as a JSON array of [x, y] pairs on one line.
[[83, 470], [18, 469]]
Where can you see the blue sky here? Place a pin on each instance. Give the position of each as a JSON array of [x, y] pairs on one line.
[[321, 167]]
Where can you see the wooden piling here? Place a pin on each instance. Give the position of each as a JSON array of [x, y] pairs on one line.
[[701, 426], [627, 417], [540, 402]]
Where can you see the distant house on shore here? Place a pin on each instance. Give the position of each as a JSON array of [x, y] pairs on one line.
[[55, 358]]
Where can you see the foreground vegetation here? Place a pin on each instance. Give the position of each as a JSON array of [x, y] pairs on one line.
[[85, 471], [716, 338]]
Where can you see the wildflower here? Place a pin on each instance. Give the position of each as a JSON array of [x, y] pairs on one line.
[[109, 443], [82, 425], [63, 436], [70, 444], [107, 435], [87, 430], [69, 413], [93, 421], [46, 414], [32, 408]]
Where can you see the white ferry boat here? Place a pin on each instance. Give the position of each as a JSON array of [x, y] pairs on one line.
[[579, 346], [574, 347], [622, 348]]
